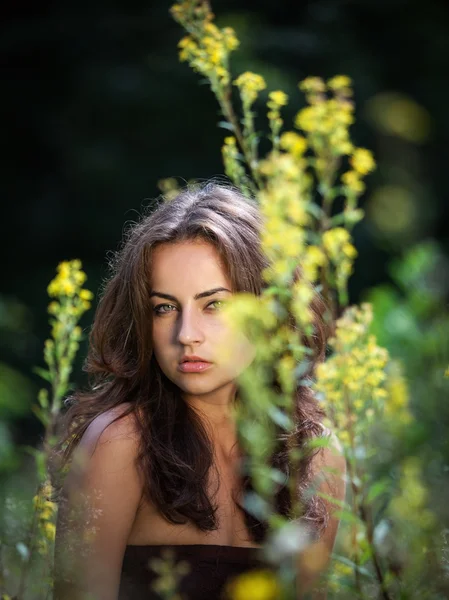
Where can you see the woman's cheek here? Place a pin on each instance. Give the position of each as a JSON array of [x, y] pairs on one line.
[[235, 352]]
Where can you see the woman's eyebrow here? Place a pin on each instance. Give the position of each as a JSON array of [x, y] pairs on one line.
[[196, 297]]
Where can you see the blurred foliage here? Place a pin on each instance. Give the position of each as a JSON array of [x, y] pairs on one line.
[[365, 392]]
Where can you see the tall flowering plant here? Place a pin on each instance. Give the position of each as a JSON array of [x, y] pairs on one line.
[[310, 165], [69, 301]]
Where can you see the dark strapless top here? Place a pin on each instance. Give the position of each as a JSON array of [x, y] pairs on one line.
[[211, 567]]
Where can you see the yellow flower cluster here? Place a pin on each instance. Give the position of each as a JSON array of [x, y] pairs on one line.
[[314, 258], [284, 206], [68, 285], [207, 47], [249, 84], [46, 513], [255, 585], [312, 86], [340, 83], [294, 143], [302, 295], [71, 302], [362, 163], [276, 100], [338, 247], [326, 120], [352, 380]]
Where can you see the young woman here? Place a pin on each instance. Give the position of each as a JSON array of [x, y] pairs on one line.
[[155, 456]]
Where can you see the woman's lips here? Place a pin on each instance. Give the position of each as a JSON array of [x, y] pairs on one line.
[[193, 367]]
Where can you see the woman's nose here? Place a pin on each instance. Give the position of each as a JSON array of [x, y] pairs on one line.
[[189, 328]]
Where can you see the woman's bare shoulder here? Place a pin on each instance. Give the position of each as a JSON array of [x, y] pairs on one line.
[[109, 437], [110, 425]]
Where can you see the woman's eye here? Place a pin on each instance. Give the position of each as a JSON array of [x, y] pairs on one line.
[[215, 302], [157, 309]]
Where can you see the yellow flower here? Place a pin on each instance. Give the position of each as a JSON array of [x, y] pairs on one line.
[[86, 295], [67, 287], [362, 161], [230, 39], [339, 82], [312, 84], [278, 97], [351, 179], [49, 530], [334, 239], [53, 308], [250, 84], [309, 119], [293, 142], [313, 259], [255, 585], [64, 269], [79, 277]]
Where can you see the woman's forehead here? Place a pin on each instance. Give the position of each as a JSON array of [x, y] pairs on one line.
[[188, 264]]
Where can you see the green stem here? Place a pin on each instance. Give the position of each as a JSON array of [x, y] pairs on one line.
[[352, 469], [228, 112], [366, 516], [29, 542]]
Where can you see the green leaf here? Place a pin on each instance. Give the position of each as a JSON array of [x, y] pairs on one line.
[[342, 503], [345, 515], [30, 450], [315, 210], [43, 398], [350, 563], [378, 488], [40, 414], [41, 465], [256, 506], [43, 373], [337, 219], [280, 418], [226, 125]]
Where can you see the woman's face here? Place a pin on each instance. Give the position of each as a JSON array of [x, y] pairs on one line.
[[187, 321]]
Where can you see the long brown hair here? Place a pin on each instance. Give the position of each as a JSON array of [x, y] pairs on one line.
[[175, 451]]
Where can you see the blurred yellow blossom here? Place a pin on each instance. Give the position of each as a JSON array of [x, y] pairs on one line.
[[340, 82], [293, 142], [46, 514], [254, 585], [350, 378], [351, 179], [362, 161], [278, 98], [312, 84], [314, 258], [207, 47], [250, 84]]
